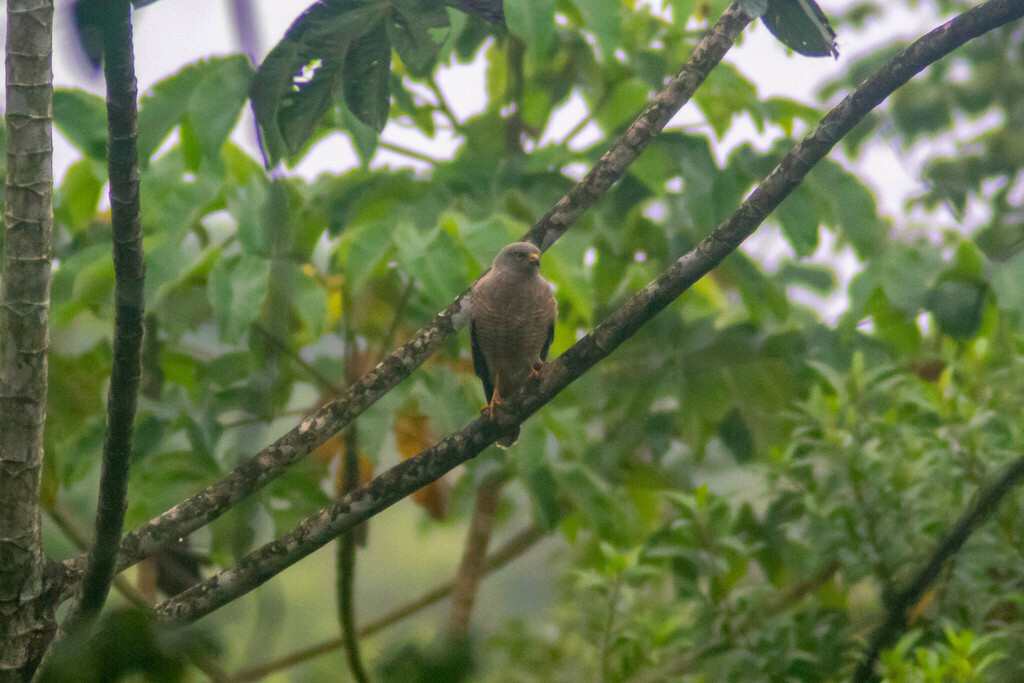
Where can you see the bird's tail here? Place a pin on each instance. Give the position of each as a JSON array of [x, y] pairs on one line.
[[509, 439]]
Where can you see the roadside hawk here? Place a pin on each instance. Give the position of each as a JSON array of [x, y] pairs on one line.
[[512, 323]]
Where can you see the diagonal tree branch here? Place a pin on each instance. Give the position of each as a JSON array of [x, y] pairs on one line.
[[26, 610], [130, 272], [334, 416], [410, 475], [899, 607]]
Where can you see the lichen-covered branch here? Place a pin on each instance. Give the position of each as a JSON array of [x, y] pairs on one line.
[[331, 418], [899, 607], [129, 272], [26, 609], [410, 475]]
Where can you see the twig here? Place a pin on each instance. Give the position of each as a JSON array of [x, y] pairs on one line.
[[411, 153], [346, 572], [510, 550], [896, 615], [442, 104], [471, 569], [411, 475], [331, 418], [129, 273]]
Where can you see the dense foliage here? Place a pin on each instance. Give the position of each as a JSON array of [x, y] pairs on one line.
[[740, 488]]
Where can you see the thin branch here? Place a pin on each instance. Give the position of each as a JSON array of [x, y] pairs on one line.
[[896, 615], [24, 335], [334, 416], [408, 476], [442, 105], [471, 569], [347, 564], [405, 151], [129, 272], [510, 550]]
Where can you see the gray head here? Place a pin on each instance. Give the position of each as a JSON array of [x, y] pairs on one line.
[[518, 257]]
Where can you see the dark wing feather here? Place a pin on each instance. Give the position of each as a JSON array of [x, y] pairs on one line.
[[547, 342], [480, 363]]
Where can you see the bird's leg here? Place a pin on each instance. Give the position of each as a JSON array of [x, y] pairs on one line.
[[535, 369], [495, 399]]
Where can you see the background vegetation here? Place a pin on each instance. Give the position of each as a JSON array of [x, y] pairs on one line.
[[737, 493]]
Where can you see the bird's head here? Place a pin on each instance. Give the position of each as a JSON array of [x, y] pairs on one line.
[[518, 257]]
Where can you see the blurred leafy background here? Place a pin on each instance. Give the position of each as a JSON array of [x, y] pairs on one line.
[[732, 495]]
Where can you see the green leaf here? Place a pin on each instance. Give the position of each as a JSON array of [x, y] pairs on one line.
[[418, 30], [205, 98], [725, 94], [801, 25], [294, 86], [957, 307], [1003, 237], [434, 262], [309, 300], [366, 83], [79, 194], [362, 249], [604, 19], [217, 100], [853, 207], [82, 119], [736, 436], [623, 103], [543, 488], [800, 221], [237, 290], [532, 21], [249, 207]]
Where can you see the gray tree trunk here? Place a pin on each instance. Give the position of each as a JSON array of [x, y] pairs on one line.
[[26, 603]]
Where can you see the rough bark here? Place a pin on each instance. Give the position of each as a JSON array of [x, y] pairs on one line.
[[410, 475], [129, 272], [272, 461], [26, 608]]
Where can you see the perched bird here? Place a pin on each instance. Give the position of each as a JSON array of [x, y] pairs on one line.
[[512, 322]]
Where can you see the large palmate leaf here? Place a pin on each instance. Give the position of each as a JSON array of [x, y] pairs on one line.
[[337, 55]]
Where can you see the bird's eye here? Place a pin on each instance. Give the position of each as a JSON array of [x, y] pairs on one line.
[[519, 256]]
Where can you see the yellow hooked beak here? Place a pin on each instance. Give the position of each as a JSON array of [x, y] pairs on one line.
[[534, 257]]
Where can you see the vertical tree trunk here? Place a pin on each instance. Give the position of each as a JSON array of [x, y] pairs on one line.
[[26, 605]]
